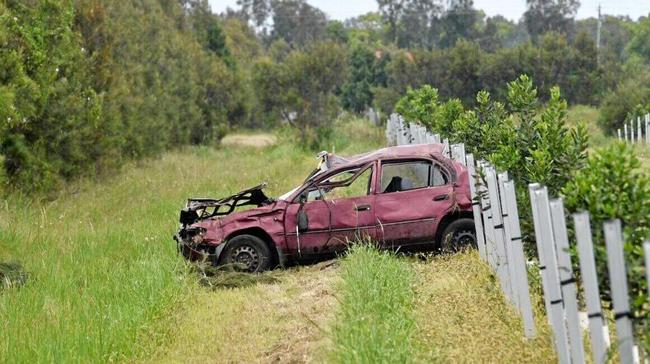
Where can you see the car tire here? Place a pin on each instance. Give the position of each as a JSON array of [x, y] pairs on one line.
[[459, 235], [246, 253]]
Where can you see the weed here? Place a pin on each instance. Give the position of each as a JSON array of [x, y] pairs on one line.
[[374, 323], [12, 274]]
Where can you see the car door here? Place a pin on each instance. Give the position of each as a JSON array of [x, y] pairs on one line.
[[412, 196], [309, 242], [338, 209], [352, 203]]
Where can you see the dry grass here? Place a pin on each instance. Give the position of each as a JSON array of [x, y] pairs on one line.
[[282, 322], [462, 316], [248, 140]]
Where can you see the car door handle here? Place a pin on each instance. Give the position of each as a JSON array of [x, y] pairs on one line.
[[441, 197], [362, 208]]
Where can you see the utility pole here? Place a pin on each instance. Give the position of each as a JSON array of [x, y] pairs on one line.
[[600, 24]]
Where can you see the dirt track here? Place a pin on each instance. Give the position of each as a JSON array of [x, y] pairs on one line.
[[282, 322], [248, 140]]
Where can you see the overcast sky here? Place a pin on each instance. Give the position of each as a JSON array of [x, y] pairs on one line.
[[511, 9]]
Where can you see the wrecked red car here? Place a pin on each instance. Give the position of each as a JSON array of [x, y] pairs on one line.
[[404, 196]]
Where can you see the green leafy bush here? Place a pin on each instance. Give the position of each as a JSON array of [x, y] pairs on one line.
[[612, 185], [532, 144], [423, 105], [631, 98]]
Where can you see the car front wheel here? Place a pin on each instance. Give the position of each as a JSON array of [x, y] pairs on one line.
[[246, 253], [458, 235]]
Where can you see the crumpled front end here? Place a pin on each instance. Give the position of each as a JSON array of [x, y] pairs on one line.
[[200, 235]]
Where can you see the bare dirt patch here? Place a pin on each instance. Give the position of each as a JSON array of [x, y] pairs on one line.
[[284, 322], [248, 140]]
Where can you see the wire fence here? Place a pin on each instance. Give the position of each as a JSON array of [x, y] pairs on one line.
[[636, 131], [499, 240]]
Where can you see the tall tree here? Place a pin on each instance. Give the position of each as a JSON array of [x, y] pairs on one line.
[[459, 22], [640, 42], [297, 22], [550, 15], [301, 88], [392, 11], [419, 25]]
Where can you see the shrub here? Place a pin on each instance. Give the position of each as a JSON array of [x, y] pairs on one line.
[[630, 99], [423, 105], [532, 144], [612, 185]]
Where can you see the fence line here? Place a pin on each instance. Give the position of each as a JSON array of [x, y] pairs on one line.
[[636, 131], [500, 244]]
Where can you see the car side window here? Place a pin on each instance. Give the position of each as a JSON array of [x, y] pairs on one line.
[[438, 177], [405, 176], [360, 186]]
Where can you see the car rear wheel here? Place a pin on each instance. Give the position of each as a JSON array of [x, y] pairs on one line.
[[458, 235], [246, 253]]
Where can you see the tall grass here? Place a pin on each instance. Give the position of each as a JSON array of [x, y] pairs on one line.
[[375, 321], [104, 278]]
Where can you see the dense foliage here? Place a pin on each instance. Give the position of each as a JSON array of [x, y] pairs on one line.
[[87, 84], [612, 186], [532, 143]]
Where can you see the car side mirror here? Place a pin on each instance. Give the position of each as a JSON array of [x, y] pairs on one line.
[[302, 199], [303, 221]]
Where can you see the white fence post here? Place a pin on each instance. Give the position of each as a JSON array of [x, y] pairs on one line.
[[647, 126], [625, 129], [476, 207], [619, 135], [632, 130], [519, 260], [618, 285], [549, 265], [499, 238], [598, 332], [487, 220], [447, 151], [567, 281], [639, 134], [507, 238], [646, 251], [458, 152]]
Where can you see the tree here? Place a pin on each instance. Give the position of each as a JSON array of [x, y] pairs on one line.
[[419, 25], [459, 22], [301, 89], [366, 28], [49, 113], [550, 15], [356, 92], [391, 11], [640, 42], [297, 22], [255, 11]]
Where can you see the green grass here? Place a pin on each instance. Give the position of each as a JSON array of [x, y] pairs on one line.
[[463, 317], [589, 116], [105, 282], [374, 322], [598, 138]]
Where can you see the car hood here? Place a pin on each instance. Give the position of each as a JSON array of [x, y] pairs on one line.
[[198, 209]]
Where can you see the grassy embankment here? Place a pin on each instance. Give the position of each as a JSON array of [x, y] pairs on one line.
[[105, 280], [598, 137], [106, 284], [445, 309]]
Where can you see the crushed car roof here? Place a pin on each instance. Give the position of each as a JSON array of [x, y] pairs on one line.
[[401, 151]]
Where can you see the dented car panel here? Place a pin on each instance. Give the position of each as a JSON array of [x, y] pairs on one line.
[[397, 196]]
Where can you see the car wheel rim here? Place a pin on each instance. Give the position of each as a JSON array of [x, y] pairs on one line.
[[245, 258], [464, 238]]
